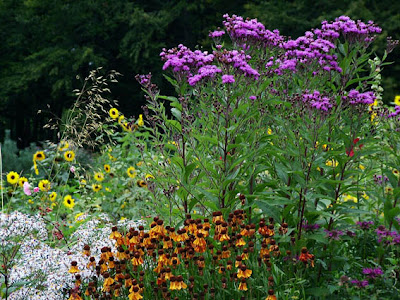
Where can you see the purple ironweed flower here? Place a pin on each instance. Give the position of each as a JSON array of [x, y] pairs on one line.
[[365, 224], [360, 283], [310, 227], [395, 113], [387, 237], [239, 61], [253, 97], [372, 273], [144, 80], [334, 234], [317, 101], [228, 79], [216, 33], [208, 71], [379, 179], [354, 97], [352, 31], [350, 233], [251, 32]]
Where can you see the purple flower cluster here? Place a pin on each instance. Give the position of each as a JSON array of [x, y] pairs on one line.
[[228, 79], [365, 224], [352, 31], [354, 97], [372, 272], [317, 101], [216, 33], [207, 71], [360, 283], [334, 234], [395, 113], [184, 60], [251, 32], [310, 227], [197, 65], [239, 61], [387, 237], [379, 179], [307, 50]]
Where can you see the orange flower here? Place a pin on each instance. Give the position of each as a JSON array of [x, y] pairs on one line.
[[244, 272], [224, 236], [239, 241], [306, 257], [74, 269], [86, 250], [135, 295], [199, 243], [217, 216], [226, 253], [167, 243], [137, 260], [92, 263], [243, 285], [271, 295], [108, 281], [115, 234], [75, 296]]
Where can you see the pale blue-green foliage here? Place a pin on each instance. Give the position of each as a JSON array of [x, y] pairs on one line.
[[15, 159]]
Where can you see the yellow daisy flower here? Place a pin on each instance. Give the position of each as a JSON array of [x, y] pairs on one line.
[[53, 196], [22, 180], [63, 146], [98, 176], [12, 177], [69, 202], [107, 168], [131, 171], [44, 185], [38, 156], [69, 155], [114, 113], [121, 119], [96, 187], [140, 120]]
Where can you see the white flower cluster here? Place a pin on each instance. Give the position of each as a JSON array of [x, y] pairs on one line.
[[44, 268], [17, 226]]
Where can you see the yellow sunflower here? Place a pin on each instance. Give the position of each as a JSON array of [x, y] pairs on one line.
[[149, 176], [64, 145], [131, 171], [53, 196], [69, 202], [114, 113], [22, 180], [397, 100], [107, 168], [44, 185], [38, 156], [96, 187], [69, 155], [12, 177], [99, 176]]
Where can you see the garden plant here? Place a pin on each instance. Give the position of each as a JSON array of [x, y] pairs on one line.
[[272, 173]]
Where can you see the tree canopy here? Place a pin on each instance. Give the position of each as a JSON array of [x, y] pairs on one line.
[[48, 47]]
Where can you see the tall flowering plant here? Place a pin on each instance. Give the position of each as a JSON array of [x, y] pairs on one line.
[[276, 125]]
